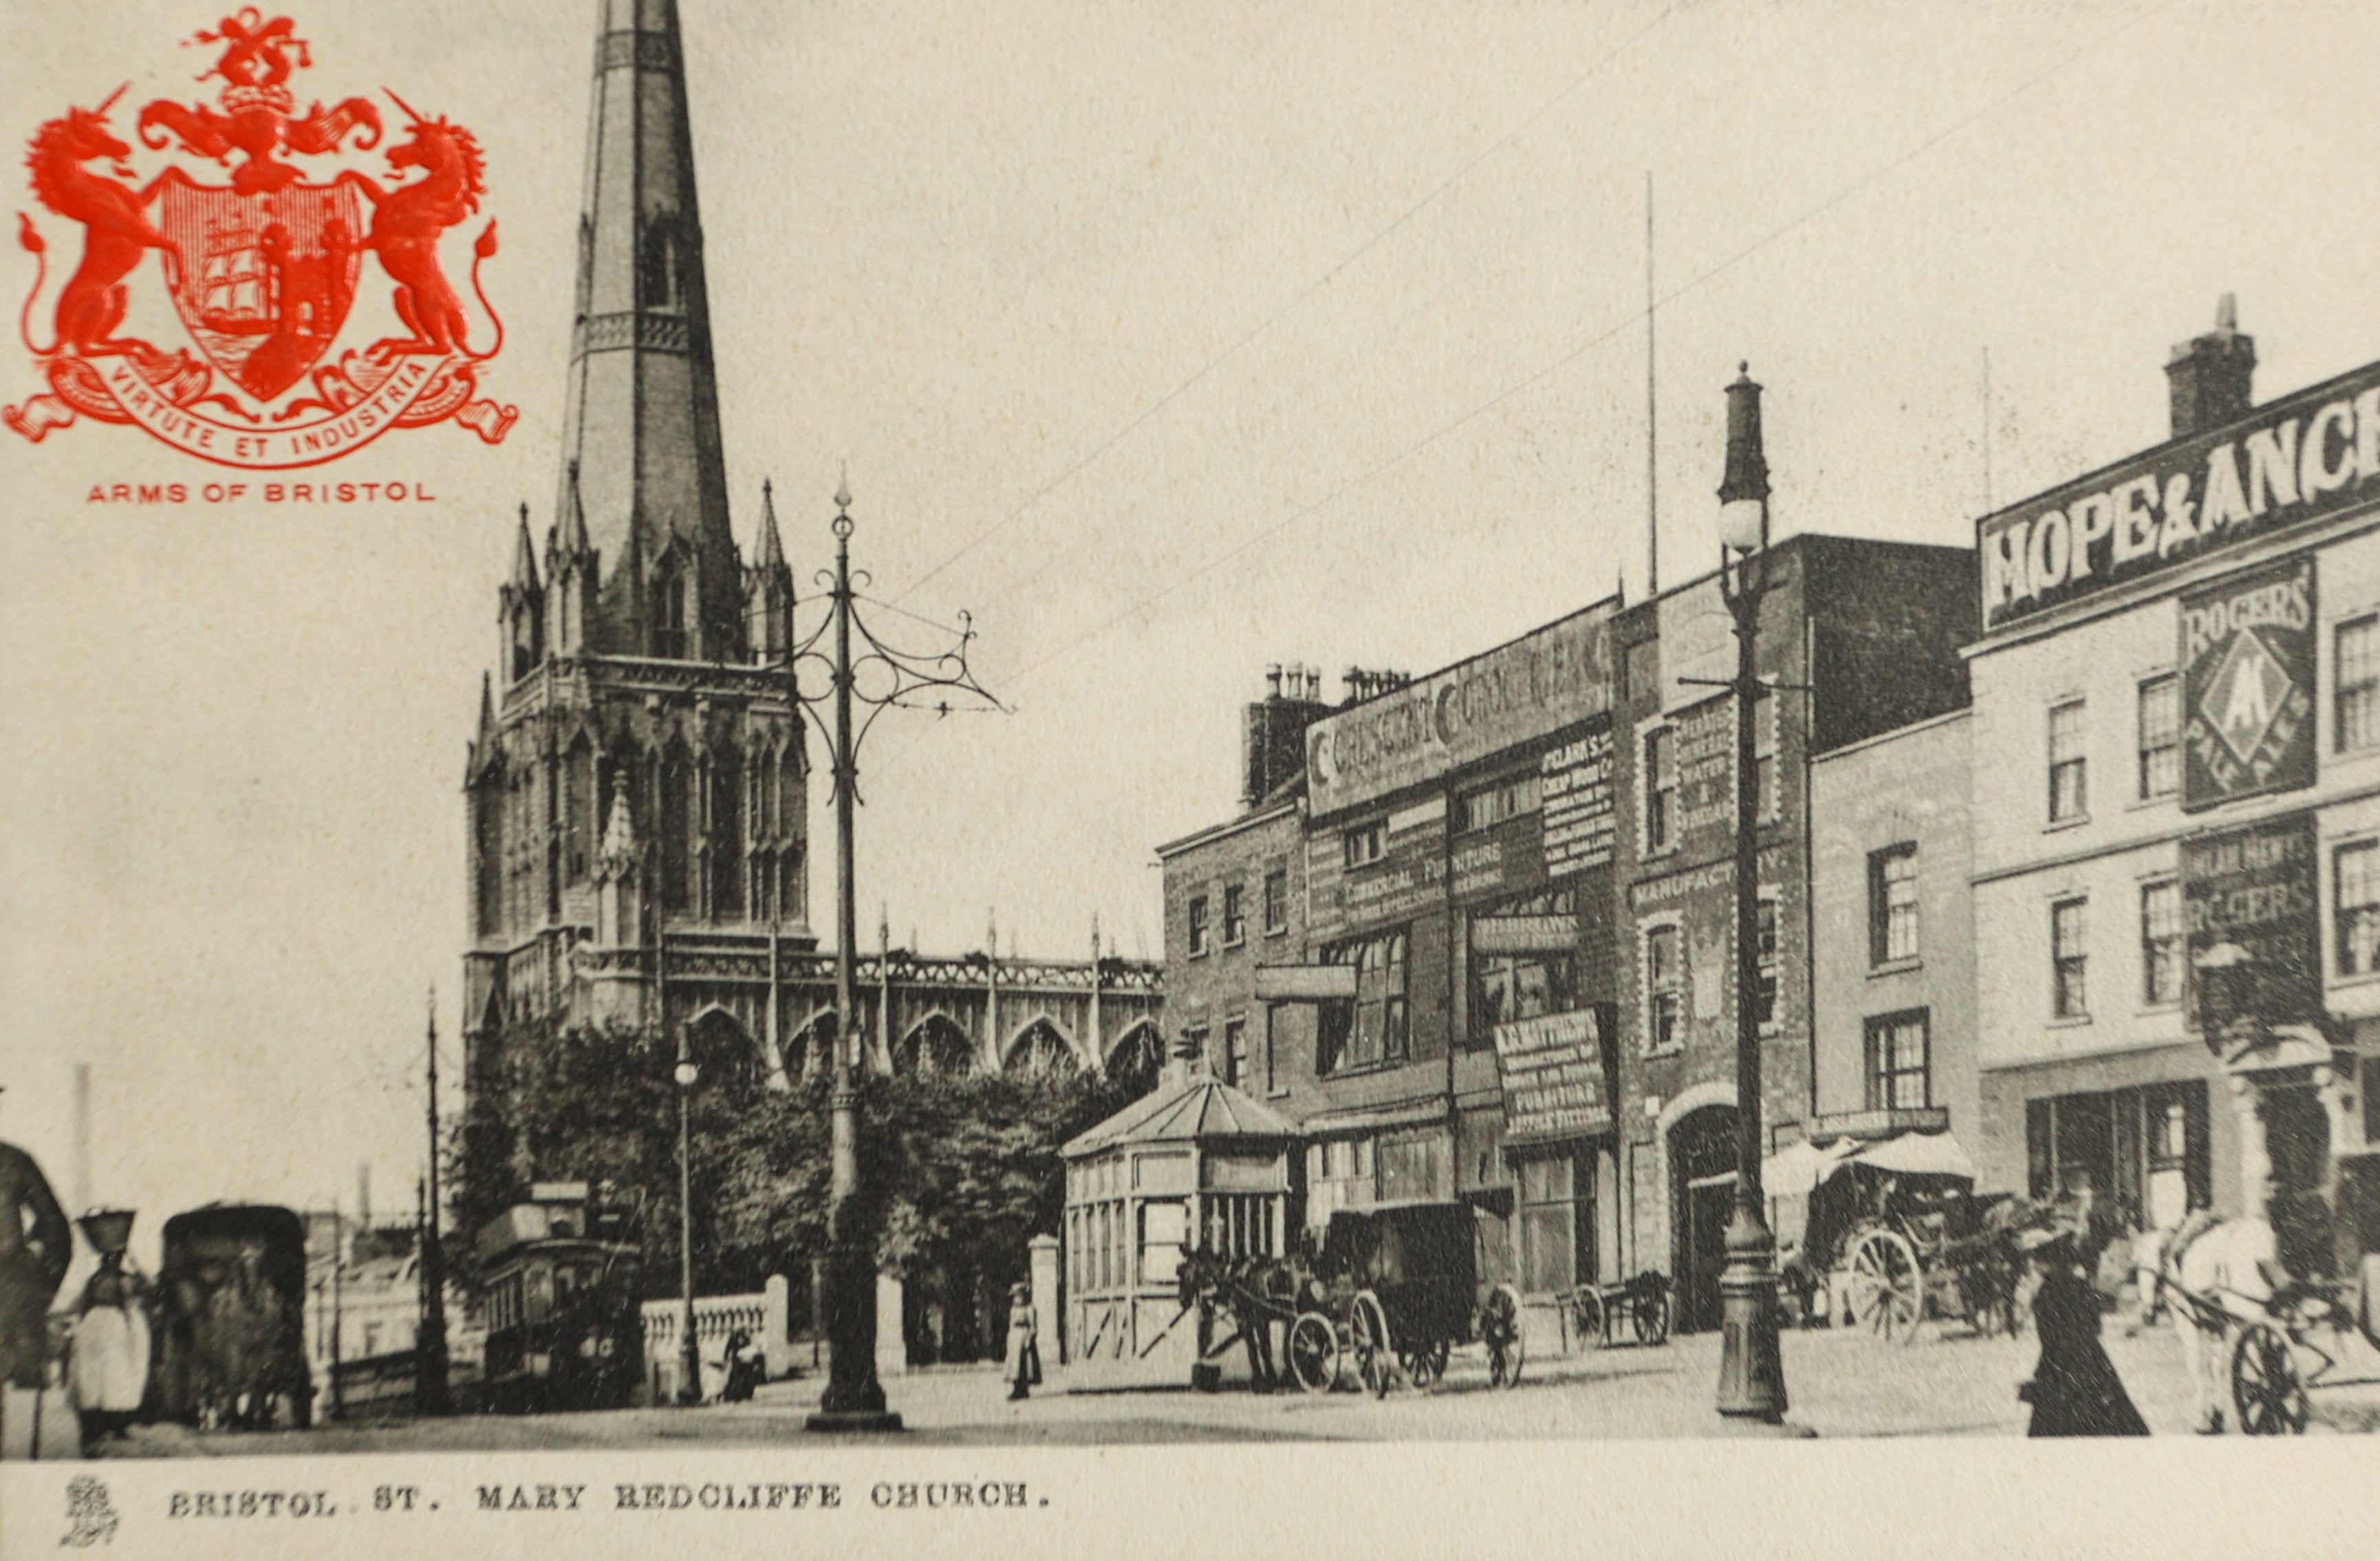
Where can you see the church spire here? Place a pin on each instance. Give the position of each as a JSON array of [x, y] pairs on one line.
[[641, 416], [522, 607], [768, 591]]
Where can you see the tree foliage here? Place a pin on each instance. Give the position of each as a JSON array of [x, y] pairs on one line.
[[955, 1172]]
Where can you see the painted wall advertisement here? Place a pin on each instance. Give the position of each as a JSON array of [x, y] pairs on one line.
[[1555, 677], [2306, 455], [1408, 875], [1553, 1073], [1575, 783], [2247, 658], [2252, 889]]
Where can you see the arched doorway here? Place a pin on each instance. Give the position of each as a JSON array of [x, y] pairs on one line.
[[1701, 1196]]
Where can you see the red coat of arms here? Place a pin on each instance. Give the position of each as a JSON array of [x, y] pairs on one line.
[[264, 270]]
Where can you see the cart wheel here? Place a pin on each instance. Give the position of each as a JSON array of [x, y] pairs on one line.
[[1427, 1364], [1375, 1361], [1499, 1330], [1888, 1287], [1313, 1352], [2266, 1387], [1586, 1316], [1649, 1315]]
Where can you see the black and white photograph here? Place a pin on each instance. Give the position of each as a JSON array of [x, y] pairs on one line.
[[1390, 777]]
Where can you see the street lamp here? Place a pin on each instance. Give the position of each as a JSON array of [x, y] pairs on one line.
[[853, 1399], [689, 1363], [1752, 1368]]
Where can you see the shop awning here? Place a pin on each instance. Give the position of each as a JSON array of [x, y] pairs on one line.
[[1918, 1155], [1796, 1170]]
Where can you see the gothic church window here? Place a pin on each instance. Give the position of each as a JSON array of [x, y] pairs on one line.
[[675, 828], [727, 782], [669, 612]]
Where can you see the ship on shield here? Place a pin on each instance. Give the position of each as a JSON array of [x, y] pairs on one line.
[[268, 278]]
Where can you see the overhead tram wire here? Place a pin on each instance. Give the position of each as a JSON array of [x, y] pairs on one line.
[[1677, 128], [1277, 315], [1830, 203]]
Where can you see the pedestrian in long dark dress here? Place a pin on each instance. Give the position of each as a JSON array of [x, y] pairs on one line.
[[2074, 1390]]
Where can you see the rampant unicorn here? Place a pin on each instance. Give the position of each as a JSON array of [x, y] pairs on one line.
[[407, 223], [115, 230]]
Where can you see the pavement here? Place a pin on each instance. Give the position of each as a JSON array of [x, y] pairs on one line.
[[1842, 1384]]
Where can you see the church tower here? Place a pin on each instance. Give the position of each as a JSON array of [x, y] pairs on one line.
[[637, 782]]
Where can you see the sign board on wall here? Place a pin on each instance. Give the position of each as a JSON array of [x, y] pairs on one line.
[[1409, 875], [1552, 1071], [2254, 889], [2307, 455], [2247, 660], [1575, 784], [1558, 677]]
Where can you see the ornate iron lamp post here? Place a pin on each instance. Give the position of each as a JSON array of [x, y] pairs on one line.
[[689, 1359], [1751, 1369], [854, 1399]]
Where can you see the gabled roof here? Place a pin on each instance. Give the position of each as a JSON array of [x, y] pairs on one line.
[[1201, 1108]]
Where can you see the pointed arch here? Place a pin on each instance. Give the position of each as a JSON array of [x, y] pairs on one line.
[[666, 601], [1137, 1060], [809, 1049], [1039, 1047], [721, 1047], [936, 1046]]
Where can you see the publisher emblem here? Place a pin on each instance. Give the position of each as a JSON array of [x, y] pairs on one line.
[[289, 354]]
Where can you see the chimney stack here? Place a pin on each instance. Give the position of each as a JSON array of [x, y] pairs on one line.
[[2209, 376]]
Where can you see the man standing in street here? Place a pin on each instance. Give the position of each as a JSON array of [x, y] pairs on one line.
[[36, 1244]]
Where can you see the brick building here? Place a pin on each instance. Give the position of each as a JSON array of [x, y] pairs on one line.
[[1858, 638], [2177, 805], [1892, 960]]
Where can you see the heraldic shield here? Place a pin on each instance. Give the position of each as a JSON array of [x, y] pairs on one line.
[[265, 281], [264, 271]]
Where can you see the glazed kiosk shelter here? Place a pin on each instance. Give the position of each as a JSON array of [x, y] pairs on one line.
[[1196, 1163]]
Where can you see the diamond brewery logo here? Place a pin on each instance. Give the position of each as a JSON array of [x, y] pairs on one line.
[[2247, 659], [264, 271]]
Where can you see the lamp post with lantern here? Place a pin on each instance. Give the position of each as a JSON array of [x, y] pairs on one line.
[[1752, 1368], [689, 1359]]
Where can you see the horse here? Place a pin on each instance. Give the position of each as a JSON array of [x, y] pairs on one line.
[[1254, 1290], [2224, 1273], [407, 223], [115, 231]]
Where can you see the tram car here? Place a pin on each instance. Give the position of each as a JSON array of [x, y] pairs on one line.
[[230, 1332], [564, 1326]]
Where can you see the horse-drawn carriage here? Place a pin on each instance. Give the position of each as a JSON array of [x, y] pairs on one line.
[[230, 1344], [1390, 1294], [2288, 1332], [1895, 1229]]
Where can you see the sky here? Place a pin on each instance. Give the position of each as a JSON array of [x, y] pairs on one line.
[[1166, 341]]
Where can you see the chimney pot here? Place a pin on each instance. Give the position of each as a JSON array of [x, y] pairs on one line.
[[2210, 378]]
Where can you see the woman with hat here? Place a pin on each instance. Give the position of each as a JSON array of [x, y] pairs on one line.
[[2074, 1390], [108, 1366], [1024, 1369]]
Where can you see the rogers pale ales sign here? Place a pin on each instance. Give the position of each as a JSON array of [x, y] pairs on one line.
[[1552, 1071], [1537, 684], [2306, 455], [2247, 685], [2254, 887]]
